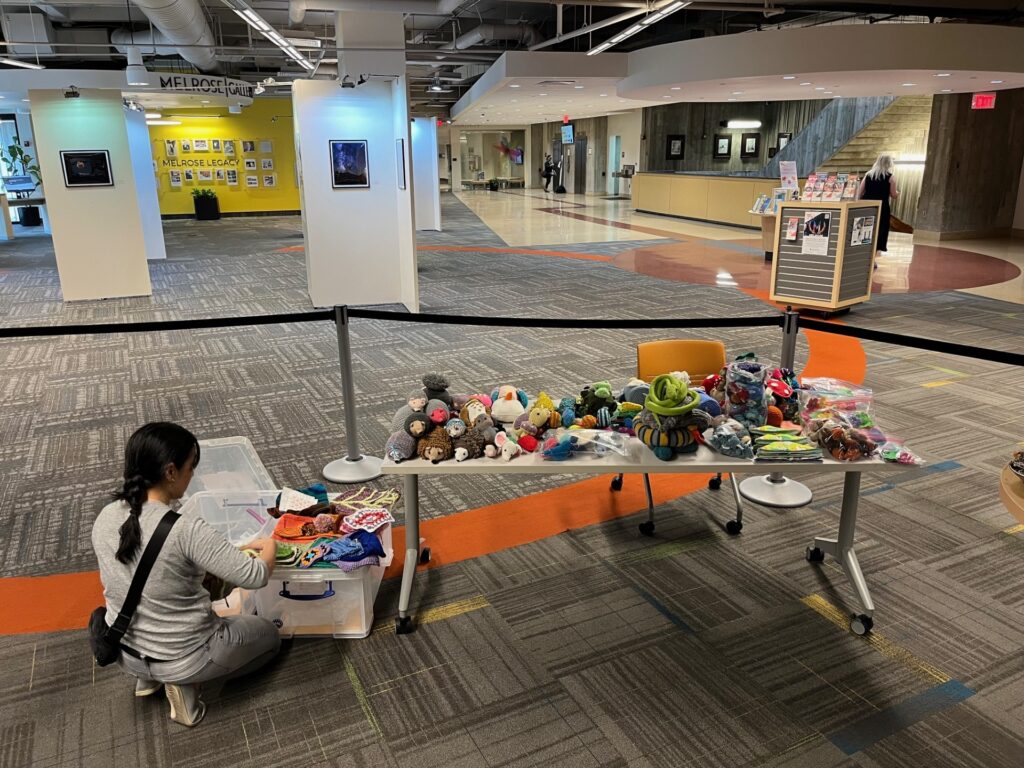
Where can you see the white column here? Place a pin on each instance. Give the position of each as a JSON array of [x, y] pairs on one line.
[[426, 181], [141, 149], [98, 235]]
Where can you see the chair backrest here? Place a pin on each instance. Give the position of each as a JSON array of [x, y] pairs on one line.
[[698, 357]]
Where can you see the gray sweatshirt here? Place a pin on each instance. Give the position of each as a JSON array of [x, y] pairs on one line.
[[174, 616]]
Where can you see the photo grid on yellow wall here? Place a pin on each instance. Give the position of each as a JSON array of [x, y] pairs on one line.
[[215, 161]]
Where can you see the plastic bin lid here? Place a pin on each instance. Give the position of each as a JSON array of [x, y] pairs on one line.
[[229, 464], [241, 516]]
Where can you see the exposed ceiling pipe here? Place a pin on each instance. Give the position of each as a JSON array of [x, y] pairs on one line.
[[183, 23], [625, 16], [157, 43], [431, 7], [296, 12], [522, 33]]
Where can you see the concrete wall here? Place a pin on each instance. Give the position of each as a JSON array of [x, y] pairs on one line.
[[1018, 217], [98, 236], [699, 122], [629, 127], [972, 174]]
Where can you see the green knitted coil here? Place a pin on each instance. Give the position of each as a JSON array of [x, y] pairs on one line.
[[670, 397]]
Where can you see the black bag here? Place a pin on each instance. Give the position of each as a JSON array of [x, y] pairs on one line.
[[104, 640]]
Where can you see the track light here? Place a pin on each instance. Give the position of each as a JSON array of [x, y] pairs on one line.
[[346, 82], [257, 22], [660, 13], [22, 64], [135, 72]]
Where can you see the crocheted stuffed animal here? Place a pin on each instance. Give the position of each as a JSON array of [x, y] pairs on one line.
[[417, 425], [508, 404], [416, 402], [400, 446], [473, 408], [597, 396], [438, 412], [507, 447], [436, 446], [455, 427], [469, 446], [435, 387], [532, 422]]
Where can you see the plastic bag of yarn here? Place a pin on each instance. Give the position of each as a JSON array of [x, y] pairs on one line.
[[747, 398], [600, 441], [895, 452]]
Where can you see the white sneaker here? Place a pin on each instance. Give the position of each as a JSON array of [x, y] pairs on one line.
[[186, 706], [145, 687]]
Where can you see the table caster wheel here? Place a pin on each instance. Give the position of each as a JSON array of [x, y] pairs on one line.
[[404, 625], [861, 625], [647, 529], [733, 527], [616, 483], [425, 556], [814, 555], [714, 483]]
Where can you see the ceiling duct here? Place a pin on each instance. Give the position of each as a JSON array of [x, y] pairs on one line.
[[520, 33], [183, 25]]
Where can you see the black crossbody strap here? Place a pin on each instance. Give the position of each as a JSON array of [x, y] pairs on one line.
[[149, 555]]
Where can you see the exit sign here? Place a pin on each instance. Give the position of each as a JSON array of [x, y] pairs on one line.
[[983, 101]]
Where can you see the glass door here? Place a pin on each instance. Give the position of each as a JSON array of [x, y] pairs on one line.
[[8, 136]]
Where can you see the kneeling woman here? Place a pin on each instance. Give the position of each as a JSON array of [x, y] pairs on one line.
[[175, 639]]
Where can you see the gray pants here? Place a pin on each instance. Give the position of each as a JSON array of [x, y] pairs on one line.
[[241, 645]]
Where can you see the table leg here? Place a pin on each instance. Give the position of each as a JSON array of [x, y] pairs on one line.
[[403, 624], [842, 550]]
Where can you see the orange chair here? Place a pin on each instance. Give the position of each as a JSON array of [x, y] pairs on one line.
[[699, 358]]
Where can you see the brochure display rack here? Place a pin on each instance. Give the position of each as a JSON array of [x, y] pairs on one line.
[[824, 253]]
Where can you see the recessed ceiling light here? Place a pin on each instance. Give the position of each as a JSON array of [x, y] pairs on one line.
[[676, 88], [514, 85], [819, 88], [947, 90], [737, 93], [622, 101], [577, 87], [730, 99], [603, 95], [995, 82], [908, 85], [543, 94], [205, 101], [804, 83], [24, 99], [942, 74], [828, 93]]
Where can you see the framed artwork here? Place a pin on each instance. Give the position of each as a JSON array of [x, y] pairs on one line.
[[400, 158], [750, 145], [675, 146], [784, 139], [170, 148], [250, 163], [270, 180], [86, 168], [205, 176], [175, 177], [200, 145], [722, 148], [267, 164], [229, 147], [189, 176], [266, 147], [232, 175], [220, 174], [772, 152], [186, 145], [215, 145], [350, 167], [248, 147], [252, 181]]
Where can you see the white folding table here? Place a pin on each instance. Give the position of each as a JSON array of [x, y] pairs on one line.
[[639, 460]]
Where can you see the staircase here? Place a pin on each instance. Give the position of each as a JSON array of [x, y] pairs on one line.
[[901, 130]]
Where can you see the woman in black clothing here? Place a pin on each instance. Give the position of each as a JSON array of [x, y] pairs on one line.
[[878, 184], [547, 171]]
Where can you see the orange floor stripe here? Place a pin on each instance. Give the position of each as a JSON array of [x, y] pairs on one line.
[[49, 603]]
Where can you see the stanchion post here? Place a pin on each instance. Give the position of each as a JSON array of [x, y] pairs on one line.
[[355, 467], [790, 330]]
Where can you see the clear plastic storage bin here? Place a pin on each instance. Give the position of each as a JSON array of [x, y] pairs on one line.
[[240, 515], [229, 464], [318, 602]]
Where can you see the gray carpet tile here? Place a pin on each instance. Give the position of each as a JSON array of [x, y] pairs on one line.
[[596, 647]]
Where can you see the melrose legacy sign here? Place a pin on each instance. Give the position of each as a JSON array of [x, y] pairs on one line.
[[222, 86]]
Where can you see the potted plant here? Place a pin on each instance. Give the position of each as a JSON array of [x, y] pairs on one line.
[[19, 163], [206, 204]]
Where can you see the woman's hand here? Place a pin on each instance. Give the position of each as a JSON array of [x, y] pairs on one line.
[[265, 549]]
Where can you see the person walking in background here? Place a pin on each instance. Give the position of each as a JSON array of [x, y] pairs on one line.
[[879, 184], [547, 172]]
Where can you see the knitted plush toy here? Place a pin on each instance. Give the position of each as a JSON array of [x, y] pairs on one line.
[[455, 427], [528, 443], [567, 407], [438, 412], [532, 422], [435, 387], [635, 392], [508, 405], [436, 446], [416, 402], [417, 425], [597, 396], [507, 447], [544, 401], [469, 445], [400, 446], [473, 408]]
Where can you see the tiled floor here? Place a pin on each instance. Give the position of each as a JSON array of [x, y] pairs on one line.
[[593, 647]]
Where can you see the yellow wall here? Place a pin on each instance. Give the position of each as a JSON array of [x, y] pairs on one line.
[[256, 123]]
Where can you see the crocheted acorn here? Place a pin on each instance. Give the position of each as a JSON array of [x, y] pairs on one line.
[[774, 416], [435, 386]]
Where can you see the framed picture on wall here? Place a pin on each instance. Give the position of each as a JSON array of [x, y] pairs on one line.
[[675, 146], [200, 145], [205, 176], [252, 181], [784, 139], [190, 176], [750, 145], [267, 164], [186, 145], [175, 177], [232, 175], [248, 147], [250, 163], [229, 147], [270, 180], [220, 174], [350, 168], [170, 148], [86, 168], [215, 145], [722, 148], [266, 147]]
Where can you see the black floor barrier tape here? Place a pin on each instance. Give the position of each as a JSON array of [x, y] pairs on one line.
[[931, 345]]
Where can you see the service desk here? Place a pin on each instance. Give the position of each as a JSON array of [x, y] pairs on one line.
[[718, 199], [640, 459]]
